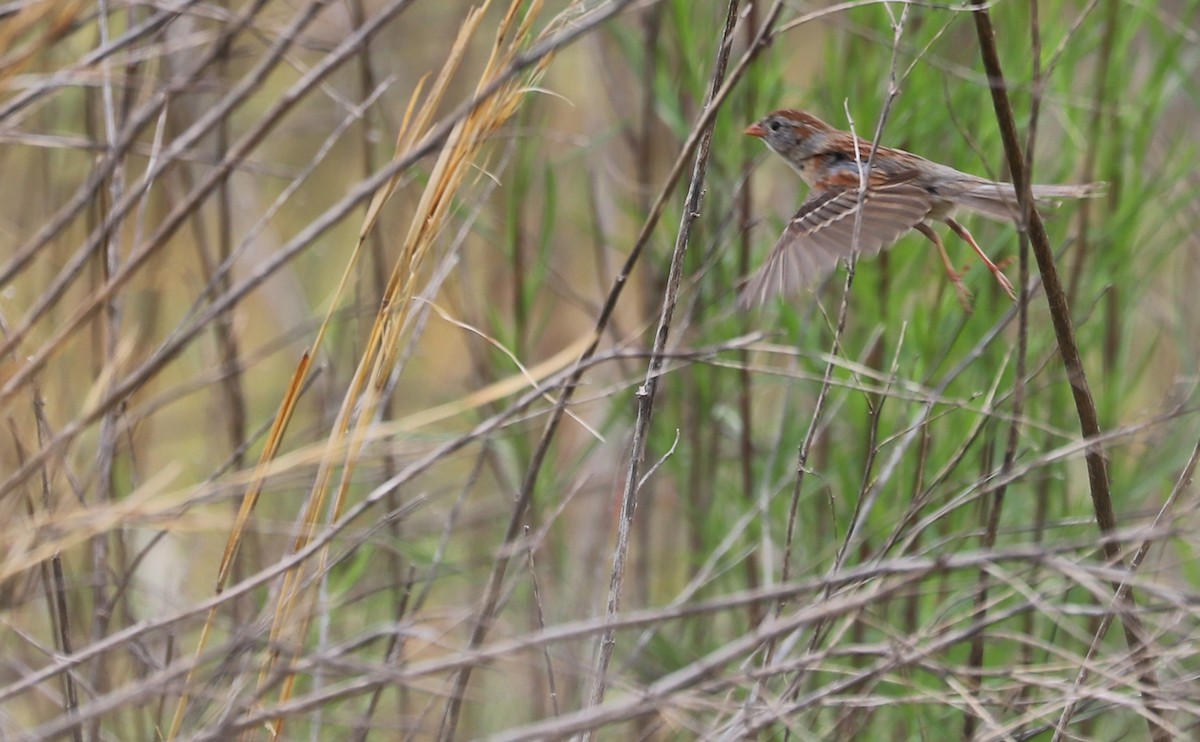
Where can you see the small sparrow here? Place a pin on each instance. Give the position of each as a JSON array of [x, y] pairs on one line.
[[903, 192]]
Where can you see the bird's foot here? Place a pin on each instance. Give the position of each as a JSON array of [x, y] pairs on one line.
[[961, 291]]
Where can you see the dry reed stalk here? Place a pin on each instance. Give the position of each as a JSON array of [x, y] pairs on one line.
[[459, 158]]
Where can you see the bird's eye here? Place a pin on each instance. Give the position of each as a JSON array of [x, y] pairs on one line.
[[775, 125]]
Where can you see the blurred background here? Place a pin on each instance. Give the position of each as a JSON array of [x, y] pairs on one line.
[[328, 331]]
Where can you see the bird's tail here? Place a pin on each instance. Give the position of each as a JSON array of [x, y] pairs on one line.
[[999, 200]]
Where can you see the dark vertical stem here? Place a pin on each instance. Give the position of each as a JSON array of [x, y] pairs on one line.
[[1064, 331], [1100, 112], [235, 414], [643, 156], [651, 29], [996, 506], [745, 222], [652, 42], [232, 392], [60, 616], [394, 655], [517, 230], [108, 325]]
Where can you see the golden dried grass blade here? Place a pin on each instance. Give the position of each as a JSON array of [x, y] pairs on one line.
[[447, 177]]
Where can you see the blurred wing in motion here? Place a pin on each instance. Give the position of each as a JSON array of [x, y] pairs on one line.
[[822, 233]]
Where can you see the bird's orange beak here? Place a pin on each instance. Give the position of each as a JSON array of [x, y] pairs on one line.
[[755, 130]]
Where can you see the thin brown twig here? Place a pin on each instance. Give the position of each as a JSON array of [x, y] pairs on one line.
[[56, 586], [540, 610], [1182, 485], [645, 394], [1060, 557]]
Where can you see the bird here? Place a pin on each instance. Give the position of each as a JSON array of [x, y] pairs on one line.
[[903, 192]]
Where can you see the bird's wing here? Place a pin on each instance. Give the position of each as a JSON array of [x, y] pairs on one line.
[[822, 232]]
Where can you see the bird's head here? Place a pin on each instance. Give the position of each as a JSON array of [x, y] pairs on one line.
[[793, 134]]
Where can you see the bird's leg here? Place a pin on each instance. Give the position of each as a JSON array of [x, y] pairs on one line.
[[964, 294], [961, 231]]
